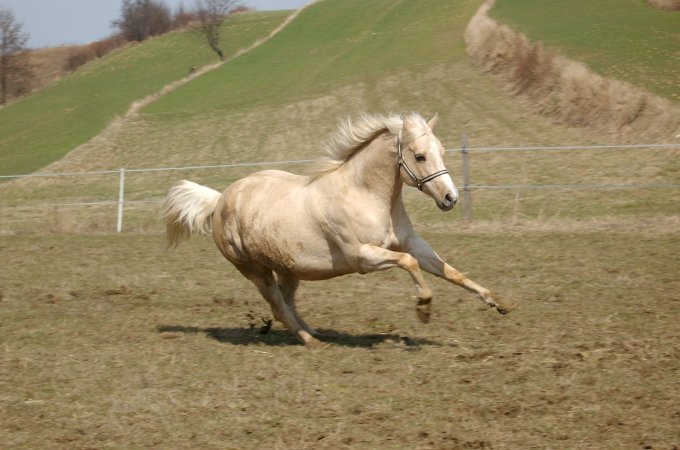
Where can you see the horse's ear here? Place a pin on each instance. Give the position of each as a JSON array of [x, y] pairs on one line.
[[433, 121], [408, 121]]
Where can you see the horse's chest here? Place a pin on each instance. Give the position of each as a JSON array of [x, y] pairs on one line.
[[389, 239]]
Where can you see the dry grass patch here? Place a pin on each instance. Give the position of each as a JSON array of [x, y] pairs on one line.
[[671, 5], [122, 345]]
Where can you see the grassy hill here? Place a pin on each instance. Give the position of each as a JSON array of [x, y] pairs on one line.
[[337, 58], [625, 39], [43, 127], [329, 45]]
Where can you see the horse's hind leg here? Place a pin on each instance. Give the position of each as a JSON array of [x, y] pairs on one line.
[[288, 286], [263, 279]]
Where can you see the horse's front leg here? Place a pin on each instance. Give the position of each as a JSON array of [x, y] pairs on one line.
[[373, 259], [432, 263]]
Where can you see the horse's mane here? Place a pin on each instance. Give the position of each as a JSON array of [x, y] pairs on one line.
[[352, 136]]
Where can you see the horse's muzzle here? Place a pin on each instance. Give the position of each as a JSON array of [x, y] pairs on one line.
[[448, 202]]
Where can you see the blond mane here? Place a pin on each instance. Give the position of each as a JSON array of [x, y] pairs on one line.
[[352, 136]]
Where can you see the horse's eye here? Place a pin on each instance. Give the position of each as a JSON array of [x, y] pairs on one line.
[[420, 158]]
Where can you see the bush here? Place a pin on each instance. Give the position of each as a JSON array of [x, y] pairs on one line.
[[104, 46], [141, 19], [79, 57]]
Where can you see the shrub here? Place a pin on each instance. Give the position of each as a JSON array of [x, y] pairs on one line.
[[79, 57]]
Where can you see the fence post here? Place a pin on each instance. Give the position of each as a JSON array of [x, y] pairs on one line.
[[121, 200], [467, 191]]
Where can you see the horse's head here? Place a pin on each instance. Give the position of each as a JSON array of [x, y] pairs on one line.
[[419, 155]]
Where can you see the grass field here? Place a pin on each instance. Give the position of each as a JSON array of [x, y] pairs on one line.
[[110, 341], [624, 39], [130, 346], [42, 128]]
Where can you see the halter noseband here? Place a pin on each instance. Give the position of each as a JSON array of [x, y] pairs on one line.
[[420, 182]]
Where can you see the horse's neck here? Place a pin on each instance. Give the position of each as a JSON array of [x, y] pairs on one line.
[[374, 170]]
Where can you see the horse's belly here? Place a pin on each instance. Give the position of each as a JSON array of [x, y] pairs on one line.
[[321, 269], [306, 259]]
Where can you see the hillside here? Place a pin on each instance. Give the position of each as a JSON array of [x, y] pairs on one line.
[[279, 101], [623, 39], [43, 127], [329, 46]]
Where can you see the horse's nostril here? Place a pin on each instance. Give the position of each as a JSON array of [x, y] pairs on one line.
[[449, 200]]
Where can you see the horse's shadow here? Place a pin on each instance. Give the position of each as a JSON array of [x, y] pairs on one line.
[[249, 336]]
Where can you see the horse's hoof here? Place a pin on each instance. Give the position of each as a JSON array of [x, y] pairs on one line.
[[504, 306], [317, 344], [424, 310]]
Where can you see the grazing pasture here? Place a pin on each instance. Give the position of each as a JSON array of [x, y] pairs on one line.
[[113, 342]]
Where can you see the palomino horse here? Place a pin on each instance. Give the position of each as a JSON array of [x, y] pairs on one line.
[[278, 228]]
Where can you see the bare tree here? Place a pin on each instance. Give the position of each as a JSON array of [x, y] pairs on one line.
[[210, 15], [141, 19], [15, 70], [182, 17]]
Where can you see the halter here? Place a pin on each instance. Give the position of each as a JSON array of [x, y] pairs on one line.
[[420, 182]]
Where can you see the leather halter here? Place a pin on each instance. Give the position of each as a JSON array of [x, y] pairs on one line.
[[420, 182]]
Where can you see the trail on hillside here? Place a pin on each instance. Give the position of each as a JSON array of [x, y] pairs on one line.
[[136, 106]]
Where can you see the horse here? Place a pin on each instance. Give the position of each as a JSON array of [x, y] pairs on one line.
[[278, 228]]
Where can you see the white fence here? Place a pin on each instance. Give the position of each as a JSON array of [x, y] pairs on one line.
[[467, 188]]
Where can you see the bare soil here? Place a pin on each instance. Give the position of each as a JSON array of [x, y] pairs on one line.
[[112, 342]]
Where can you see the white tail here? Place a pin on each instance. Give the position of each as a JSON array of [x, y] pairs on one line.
[[187, 211]]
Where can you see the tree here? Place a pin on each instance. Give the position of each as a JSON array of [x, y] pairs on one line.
[[141, 19], [15, 69], [182, 17], [210, 15]]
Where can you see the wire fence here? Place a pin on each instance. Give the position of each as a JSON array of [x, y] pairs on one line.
[[467, 188]]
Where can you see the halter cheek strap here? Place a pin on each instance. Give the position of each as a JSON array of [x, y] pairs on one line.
[[420, 182]]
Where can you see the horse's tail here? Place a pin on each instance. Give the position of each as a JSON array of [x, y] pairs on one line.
[[188, 210]]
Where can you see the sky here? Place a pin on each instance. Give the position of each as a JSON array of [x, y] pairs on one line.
[[51, 23]]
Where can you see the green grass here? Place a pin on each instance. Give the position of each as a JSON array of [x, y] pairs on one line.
[[42, 128], [331, 44], [624, 39]]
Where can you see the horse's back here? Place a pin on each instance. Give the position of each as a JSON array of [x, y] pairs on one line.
[[261, 186], [275, 174]]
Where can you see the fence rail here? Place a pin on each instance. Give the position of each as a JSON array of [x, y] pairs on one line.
[[467, 187]]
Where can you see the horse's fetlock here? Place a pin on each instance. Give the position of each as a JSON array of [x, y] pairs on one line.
[[424, 296]]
